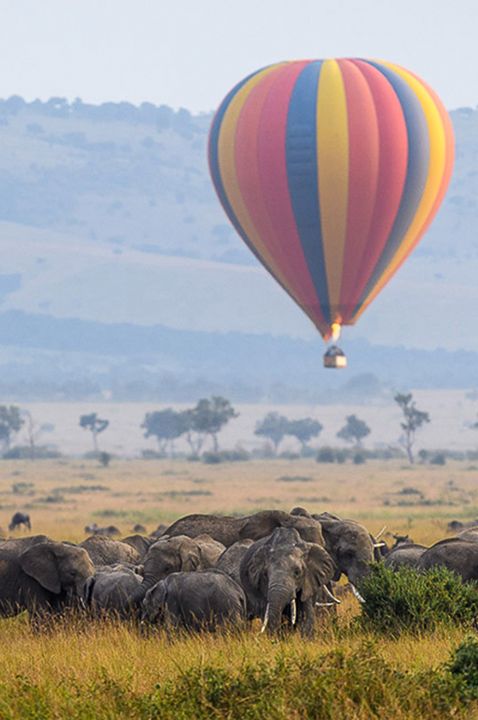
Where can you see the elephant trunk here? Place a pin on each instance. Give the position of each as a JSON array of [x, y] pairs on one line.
[[279, 596], [137, 596]]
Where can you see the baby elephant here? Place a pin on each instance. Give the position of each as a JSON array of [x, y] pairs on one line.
[[110, 589], [196, 601], [19, 519]]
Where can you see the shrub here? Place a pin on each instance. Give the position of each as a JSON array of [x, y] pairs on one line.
[[341, 456], [23, 488], [237, 455], [25, 452], [104, 458], [438, 459], [410, 600], [326, 455], [464, 663], [359, 458]]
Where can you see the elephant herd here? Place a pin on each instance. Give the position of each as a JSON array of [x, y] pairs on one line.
[[206, 570]]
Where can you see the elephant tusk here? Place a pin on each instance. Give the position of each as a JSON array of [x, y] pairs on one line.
[[331, 604], [356, 593], [331, 596], [379, 544], [293, 611], [377, 537], [266, 619]]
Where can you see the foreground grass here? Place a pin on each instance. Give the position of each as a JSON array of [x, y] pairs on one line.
[[106, 670]]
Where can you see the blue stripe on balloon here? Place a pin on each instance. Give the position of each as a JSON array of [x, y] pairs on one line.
[[416, 177], [303, 177]]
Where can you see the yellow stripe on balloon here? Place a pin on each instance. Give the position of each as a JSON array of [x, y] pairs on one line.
[[333, 171], [436, 168], [227, 167]]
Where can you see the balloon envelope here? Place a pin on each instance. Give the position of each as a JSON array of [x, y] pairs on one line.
[[331, 171]]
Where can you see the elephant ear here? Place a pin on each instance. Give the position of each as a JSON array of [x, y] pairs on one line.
[[320, 569], [40, 563]]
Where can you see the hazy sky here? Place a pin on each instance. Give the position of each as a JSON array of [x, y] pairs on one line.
[[190, 52]]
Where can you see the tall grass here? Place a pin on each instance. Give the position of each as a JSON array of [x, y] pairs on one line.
[[110, 670]]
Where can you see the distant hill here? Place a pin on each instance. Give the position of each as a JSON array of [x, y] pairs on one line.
[[108, 218], [48, 358]]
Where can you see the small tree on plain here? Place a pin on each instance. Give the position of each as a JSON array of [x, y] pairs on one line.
[[95, 425], [354, 430], [413, 419], [304, 430], [273, 427], [209, 416], [166, 426], [34, 430], [11, 422]]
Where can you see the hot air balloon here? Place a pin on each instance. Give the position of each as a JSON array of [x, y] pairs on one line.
[[331, 171]]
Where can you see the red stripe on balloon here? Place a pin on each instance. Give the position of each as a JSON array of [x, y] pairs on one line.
[[247, 171], [392, 168], [263, 177], [363, 175]]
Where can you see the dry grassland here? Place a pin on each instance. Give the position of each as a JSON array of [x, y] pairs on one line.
[[67, 671]]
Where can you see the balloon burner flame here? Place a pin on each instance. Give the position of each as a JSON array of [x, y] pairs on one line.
[[335, 331]]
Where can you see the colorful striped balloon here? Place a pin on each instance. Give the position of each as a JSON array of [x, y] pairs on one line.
[[331, 171]]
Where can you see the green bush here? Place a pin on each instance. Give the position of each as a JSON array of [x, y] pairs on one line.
[[438, 459], [326, 455], [25, 452], [359, 458], [214, 458], [406, 599], [464, 664]]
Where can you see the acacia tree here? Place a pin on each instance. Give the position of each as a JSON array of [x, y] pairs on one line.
[[354, 430], [413, 419], [273, 427], [208, 417], [304, 430], [166, 426], [34, 430], [11, 422], [95, 425]]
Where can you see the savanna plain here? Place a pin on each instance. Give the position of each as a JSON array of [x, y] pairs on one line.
[[83, 669]]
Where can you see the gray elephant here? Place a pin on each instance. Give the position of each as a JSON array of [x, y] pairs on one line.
[[18, 545], [44, 578], [471, 534], [283, 576], [140, 543], [405, 554], [228, 530], [177, 554], [195, 601], [104, 551], [349, 544], [110, 591], [456, 554], [230, 560]]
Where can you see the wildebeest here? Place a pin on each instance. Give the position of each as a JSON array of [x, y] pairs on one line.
[[109, 530], [18, 519]]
